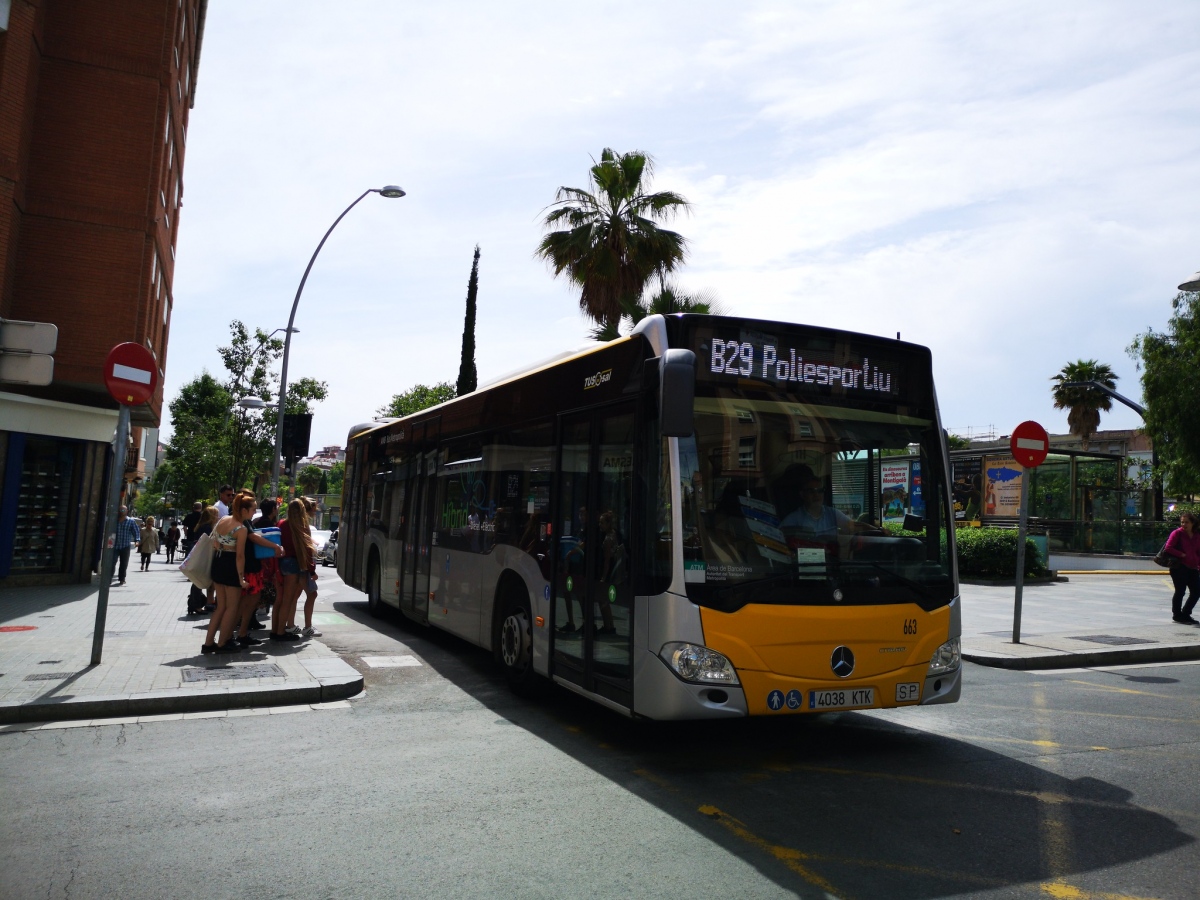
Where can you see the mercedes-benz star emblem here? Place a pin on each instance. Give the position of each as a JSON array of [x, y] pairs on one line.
[[842, 662]]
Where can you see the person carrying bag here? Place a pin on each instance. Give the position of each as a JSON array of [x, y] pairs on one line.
[[197, 568], [1183, 546]]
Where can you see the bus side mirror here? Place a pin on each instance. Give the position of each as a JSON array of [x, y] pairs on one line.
[[676, 392]]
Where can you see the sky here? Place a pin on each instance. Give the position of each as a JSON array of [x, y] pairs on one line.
[[1013, 184]]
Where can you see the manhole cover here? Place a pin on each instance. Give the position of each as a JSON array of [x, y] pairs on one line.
[[49, 662], [129, 604], [1114, 639], [233, 673], [49, 676]]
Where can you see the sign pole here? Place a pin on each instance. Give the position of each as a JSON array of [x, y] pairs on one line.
[[116, 476], [1029, 444], [1022, 529]]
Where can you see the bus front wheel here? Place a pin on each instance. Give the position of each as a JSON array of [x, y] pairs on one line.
[[516, 644]]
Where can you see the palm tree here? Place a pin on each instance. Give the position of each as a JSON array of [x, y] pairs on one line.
[[668, 299], [612, 244], [1084, 403]]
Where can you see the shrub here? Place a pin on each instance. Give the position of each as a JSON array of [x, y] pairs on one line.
[[992, 553], [987, 552]]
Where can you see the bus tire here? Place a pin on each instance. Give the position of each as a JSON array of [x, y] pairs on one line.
[[374, 589], [515, 643]]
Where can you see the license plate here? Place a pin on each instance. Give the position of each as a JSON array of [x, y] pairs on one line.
[[848, 698]]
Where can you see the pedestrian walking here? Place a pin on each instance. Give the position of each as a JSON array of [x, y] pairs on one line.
[[128, 533], [172, 541], [148, 542], [1184, 546]]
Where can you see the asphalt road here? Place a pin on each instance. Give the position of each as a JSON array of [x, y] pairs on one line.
[[440, 783]]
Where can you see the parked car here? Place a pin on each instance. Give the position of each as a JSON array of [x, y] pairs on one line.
[[328, 552], [319, 538]]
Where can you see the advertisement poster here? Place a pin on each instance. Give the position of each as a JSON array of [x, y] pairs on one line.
[[1002, 487], [893, 490], [968, 489], [916, 499]]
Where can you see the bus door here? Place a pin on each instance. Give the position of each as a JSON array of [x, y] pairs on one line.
[[593, 609], [420, 520]]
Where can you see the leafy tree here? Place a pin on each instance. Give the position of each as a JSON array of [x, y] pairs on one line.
[[308, 479], [201, 444], [1168, 363], [323, 487], [612, 245], [214, 442], [1084, 403], [337, 474], [957, 442], [468, 378], [417, 398]]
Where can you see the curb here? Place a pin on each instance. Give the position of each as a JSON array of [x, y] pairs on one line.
[[1091, 658], [182, 700]]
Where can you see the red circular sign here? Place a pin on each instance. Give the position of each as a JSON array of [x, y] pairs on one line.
[[1029, 444], [8, 628], [130, 374]]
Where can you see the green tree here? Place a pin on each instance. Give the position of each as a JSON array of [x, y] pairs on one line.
[[212, 441], [1168, 362], [308, 479], [468, 378], [1084, 403], [418, 398], [612, 245], [337, 474], [200, 447], [957, 442]]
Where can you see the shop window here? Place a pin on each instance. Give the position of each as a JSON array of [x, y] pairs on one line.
[[43, 505]]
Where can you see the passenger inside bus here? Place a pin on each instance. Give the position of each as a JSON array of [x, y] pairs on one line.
[[812, 520]]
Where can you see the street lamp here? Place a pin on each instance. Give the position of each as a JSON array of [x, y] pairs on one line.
[[390, 191], [1192, 284]]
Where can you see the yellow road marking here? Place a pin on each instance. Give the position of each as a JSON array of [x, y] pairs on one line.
[[1063, 891], [1091, 714], [793, 859], [1112, 688], [657, 780]]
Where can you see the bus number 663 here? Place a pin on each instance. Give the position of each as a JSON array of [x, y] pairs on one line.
[[910, 626]]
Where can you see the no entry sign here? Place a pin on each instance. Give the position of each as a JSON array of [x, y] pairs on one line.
[[1029, 444], [130, 374]]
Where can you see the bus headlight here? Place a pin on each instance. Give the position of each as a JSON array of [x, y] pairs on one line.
[[946, 658], [698, 664]]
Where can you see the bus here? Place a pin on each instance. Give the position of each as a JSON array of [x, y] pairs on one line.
[[710, 517]]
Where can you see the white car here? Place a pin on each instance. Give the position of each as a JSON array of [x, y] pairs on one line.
[[319, 538], [327, 552]]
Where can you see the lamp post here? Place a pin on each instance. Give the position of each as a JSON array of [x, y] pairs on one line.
[[390, 191]]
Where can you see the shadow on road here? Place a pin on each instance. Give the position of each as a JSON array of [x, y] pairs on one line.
[[845, 804]]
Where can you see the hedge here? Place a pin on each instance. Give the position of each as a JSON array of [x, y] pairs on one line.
[[988, 552]]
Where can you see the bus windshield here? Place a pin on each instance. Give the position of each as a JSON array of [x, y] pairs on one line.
[[794, 502]]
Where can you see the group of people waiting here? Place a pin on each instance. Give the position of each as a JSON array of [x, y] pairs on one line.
[[245, 581]]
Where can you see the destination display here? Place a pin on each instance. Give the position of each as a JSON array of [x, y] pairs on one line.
[[795, 361]]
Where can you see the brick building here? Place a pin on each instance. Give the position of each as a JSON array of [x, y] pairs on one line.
[[94, 103]]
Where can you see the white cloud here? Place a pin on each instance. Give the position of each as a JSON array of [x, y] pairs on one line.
[[1013, 185]]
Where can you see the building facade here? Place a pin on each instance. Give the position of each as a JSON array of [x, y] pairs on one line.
[[94, 105]]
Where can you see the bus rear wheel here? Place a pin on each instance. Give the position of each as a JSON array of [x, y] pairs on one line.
[[516, 645], [374, 590]]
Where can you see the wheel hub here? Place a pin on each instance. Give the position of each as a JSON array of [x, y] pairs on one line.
[[514, 641]]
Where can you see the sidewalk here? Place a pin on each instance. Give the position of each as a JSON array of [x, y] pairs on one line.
[[1092, 620], [151, 663]]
